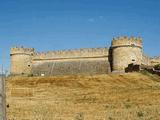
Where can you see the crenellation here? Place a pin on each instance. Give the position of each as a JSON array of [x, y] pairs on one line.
[[125, 41], [86, 52], [22, 50]]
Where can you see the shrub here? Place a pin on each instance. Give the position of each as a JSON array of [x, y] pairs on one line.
[[157, 67], [110, 118], [140, 114], [30, 75], [145, 72], [79, 116]]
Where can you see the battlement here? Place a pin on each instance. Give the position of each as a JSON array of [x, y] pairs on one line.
[[127, 41], [77, 53], [21, 50]]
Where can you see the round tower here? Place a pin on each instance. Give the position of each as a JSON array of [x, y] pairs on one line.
[[21, 60], [126, 51]]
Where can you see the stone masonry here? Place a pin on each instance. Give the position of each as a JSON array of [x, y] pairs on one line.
[[122, 52]]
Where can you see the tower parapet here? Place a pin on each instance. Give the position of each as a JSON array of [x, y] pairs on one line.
[[126, 41], [21, 60], [21, 50], [126, 51]]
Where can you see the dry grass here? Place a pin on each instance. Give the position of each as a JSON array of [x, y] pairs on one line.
[[133, 96]]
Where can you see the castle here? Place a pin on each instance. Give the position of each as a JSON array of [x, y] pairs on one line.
[[122, 52]]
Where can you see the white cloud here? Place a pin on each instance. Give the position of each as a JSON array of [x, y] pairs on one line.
[[98, 18], [101, 17], [91, 20]]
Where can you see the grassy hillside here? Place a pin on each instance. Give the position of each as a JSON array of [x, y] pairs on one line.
[[133, 96]]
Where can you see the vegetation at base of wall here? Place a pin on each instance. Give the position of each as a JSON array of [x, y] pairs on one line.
[[150, 75], [145, 72], [30, 75], [157, 67]]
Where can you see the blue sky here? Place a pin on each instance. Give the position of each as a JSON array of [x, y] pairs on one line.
[[68, 24]]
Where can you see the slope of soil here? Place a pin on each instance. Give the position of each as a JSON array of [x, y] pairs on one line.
[[133, 96]]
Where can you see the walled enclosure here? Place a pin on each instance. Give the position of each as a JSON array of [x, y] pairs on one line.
[[123, 51]]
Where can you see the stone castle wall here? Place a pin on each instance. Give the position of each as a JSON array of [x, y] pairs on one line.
[[146, 60], [80, 61], [126, 51], [71, 54], [73, 66], [155, 61], [123, 51], [150, 61]]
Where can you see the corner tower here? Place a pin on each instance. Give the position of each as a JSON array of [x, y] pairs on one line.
[[21, 60], [126, 51]]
